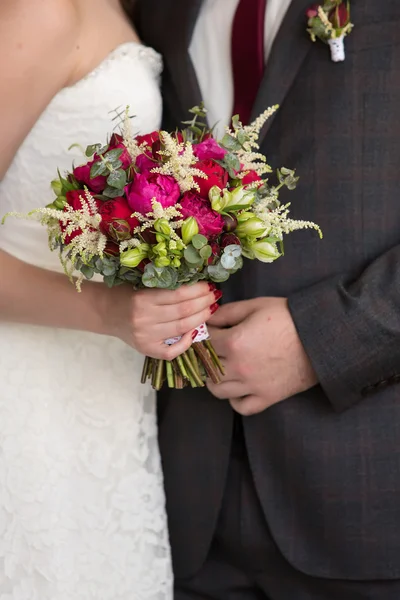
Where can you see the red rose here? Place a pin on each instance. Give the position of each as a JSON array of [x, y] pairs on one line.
[[339, 16], [216, 175], [99, 183], [116, 221], [312, 12], [216, 252], [74, 199], [111, 248], [229, 239], [148, 139], [210, 222], [250, 177]]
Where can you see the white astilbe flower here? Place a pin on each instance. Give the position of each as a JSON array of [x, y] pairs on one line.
[[180, 163], [128, 244], [276, 220], [250, 159], [130, 143], [170, 214]]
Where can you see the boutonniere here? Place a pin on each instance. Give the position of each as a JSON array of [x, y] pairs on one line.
[[330, 23]]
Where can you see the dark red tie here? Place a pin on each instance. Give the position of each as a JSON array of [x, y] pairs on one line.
[[247, 55]]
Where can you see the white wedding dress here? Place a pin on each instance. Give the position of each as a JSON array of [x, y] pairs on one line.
[[82, 511]]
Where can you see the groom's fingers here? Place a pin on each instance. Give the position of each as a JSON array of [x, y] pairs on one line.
[[233, 313]]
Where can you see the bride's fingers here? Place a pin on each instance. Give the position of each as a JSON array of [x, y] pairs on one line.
[[182, 326], [183, 310], [165, 297]]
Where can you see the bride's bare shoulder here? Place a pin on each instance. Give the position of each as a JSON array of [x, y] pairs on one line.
[[38, 41]]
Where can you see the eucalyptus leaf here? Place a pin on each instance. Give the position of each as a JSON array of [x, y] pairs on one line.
[[98, 168], [199, 241], [113, 155], [117, 179], [192, 257], [230, 143], [109, 280], [111, 192], [87, 271], [92, 149], [217, 273], [205, 252]]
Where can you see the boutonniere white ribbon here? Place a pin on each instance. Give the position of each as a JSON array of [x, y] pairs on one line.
[[330, 23]]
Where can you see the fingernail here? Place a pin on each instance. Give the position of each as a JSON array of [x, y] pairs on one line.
[[212, 287], [194, 334], [218, 294], [214, 307]]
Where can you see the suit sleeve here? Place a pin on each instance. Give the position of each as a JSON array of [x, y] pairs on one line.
[[350, 330]]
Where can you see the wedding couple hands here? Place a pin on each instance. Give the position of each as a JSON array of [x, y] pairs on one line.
[[262, 354], [149, 317]]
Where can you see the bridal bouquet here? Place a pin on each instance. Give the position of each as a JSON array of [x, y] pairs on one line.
[[169, 209]]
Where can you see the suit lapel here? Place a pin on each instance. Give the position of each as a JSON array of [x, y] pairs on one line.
[[287, 55]]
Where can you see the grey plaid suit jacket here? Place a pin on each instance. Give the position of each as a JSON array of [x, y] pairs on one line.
[[326, 463]]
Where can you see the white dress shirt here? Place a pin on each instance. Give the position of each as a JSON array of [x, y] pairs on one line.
[[210, 51]]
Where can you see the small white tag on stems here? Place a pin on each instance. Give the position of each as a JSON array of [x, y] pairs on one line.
[[202, 335]]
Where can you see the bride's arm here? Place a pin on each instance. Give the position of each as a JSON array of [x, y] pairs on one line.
[[39, 42], [141, 319]]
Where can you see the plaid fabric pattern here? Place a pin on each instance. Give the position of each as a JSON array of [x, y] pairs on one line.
[[326, 464]]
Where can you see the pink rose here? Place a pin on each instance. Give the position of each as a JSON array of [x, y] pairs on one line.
[[145, 164], [210, 222], [147, 186], [209, 150]]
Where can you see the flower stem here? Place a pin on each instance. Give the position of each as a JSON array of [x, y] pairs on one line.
[[170, 374], [186, 359], [207, 361], [159, 375], [145, 370], [215, 356]]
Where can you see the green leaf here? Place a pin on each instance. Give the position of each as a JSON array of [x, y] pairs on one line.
[[192, 257], [199, 241], [117, 179], [87, 271], [113, 155], [111, 192], [98, 168], [205, 252], [92, 149], [230, 143], [217, 273], [109, 280]]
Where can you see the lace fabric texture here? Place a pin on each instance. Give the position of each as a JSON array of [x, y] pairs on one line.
[[82, 511]]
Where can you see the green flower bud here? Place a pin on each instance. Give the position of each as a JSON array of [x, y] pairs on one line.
[[162, 226], [190, 228], [176, 262], [160, 237], [180, 245], [218, 202], [160, 248], [265, 251], [132, 258], [253, 227], [162, 261], [56, 186], [60, 202], [238, 199], [244, 216]]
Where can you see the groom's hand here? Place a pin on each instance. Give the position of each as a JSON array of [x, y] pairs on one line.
[[263, 357]]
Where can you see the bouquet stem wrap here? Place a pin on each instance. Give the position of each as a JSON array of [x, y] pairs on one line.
[[192, 367]]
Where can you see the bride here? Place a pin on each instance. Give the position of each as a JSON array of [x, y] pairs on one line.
[[81, 500]]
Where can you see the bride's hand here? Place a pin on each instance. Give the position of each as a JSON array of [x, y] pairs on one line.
[[149, 317]]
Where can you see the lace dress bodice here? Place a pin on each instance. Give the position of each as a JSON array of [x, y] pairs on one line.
[[81, 498]]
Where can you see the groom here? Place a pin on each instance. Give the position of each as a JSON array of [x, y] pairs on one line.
[[283, 482]]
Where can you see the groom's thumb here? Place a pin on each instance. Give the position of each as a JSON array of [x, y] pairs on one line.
[[233, 313]]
